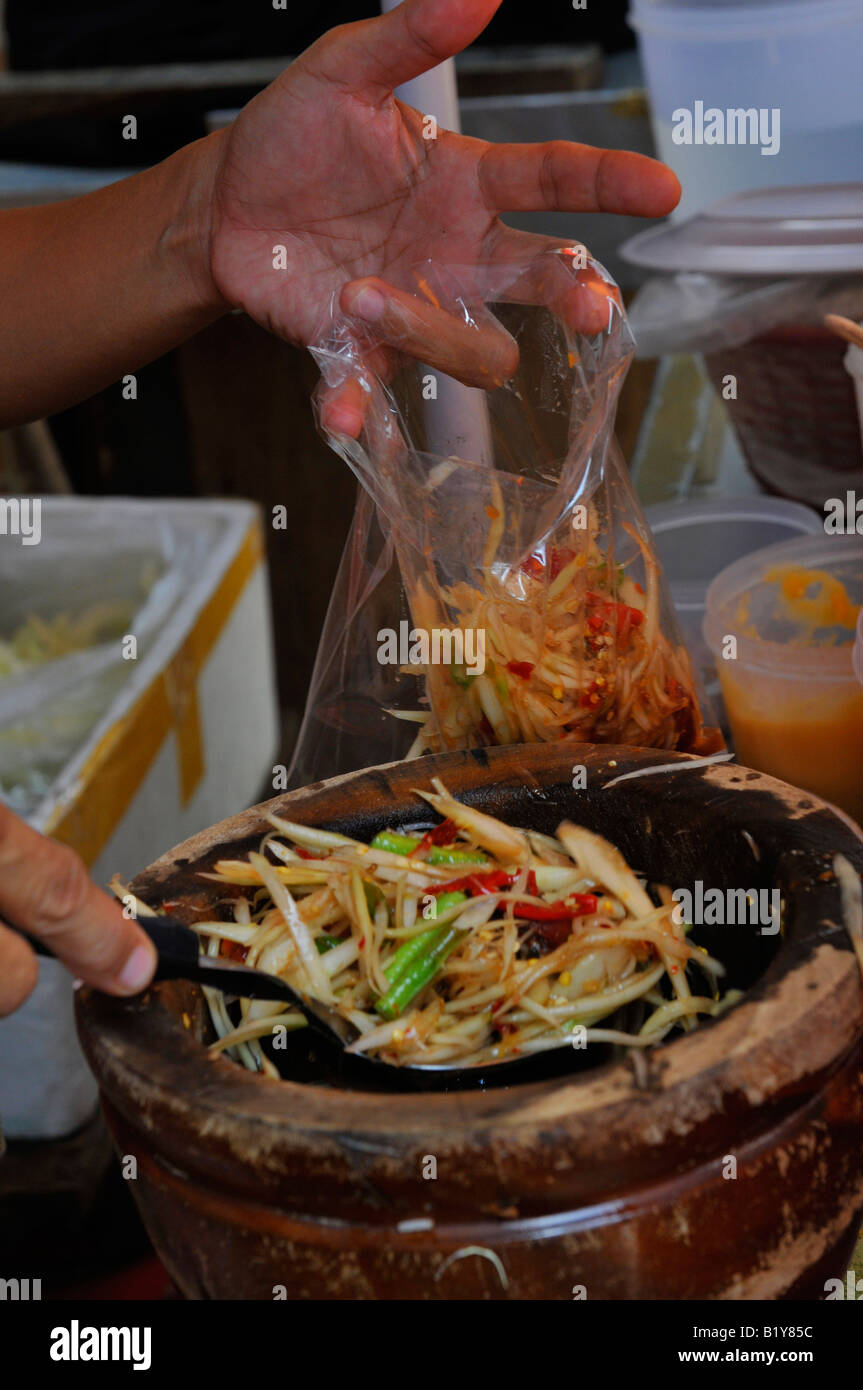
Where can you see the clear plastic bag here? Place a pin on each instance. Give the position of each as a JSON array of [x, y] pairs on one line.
[[499, 583]]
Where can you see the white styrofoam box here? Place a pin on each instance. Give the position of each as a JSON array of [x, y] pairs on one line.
[[46, 1088], [182, 736]]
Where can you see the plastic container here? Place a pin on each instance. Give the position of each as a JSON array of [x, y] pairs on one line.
[[697, 540], [777, 232], [801, 58], [781, 625]]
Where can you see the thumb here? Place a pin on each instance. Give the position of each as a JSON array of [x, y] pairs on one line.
[[45, 890], [386, 52]]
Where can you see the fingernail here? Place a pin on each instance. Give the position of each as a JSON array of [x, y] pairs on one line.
[[368, 304], [137, 971]]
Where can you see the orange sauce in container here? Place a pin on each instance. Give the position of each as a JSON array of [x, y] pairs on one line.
[[781, 625], [814, 743]]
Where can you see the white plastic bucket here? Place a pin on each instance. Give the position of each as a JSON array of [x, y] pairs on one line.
[[795, 56]]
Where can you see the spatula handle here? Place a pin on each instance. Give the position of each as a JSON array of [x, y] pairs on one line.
[[178, 946]]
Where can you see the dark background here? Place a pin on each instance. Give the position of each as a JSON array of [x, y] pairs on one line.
[[57, 34]]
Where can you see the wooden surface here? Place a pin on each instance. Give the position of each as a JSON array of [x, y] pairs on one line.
[[251, 432], [34, 96]]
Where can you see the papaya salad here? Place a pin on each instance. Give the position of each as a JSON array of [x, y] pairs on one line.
[[467, 944], [574, 650]]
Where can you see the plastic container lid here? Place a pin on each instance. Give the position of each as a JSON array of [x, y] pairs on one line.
[[708, 19], [697, 540], [815, 229], [717, 6], [769, 637]]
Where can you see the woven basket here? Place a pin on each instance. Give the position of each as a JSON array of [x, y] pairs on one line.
[[795, 415]]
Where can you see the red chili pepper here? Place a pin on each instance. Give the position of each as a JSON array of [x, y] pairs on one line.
[[558, 930], [549, 912], [534, 565], [453, 885], [304, 853], [496, 880], [553, 912], [521, 668], [560, 558], [232, 950], [442, 834], [491, 882], [625, 617]]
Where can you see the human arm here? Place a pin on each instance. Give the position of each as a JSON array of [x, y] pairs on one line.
[[325, 162]]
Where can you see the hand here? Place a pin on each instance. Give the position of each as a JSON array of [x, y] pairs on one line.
[[328, 164], [45, 890]]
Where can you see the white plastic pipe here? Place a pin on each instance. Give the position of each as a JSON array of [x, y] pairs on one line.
[[459, 413], [434, 93]]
